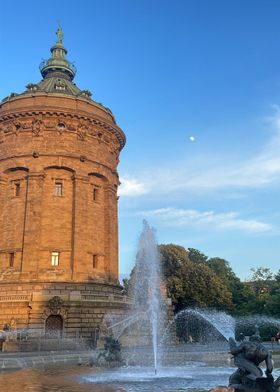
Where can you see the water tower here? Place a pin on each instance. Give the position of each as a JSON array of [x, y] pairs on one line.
[[59, 151]]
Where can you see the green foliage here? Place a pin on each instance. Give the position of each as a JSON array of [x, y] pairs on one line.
[[273, 302], [222, 268], [196, 256], [125, 286], [247, 329], [267, 330], [277, 277], [241, 293], [264, 295], [194, 280], [192, 283], [205, 289], [198, 329], [261, 274]]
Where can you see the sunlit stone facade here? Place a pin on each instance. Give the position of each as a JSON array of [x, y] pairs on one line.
[[59, 152]]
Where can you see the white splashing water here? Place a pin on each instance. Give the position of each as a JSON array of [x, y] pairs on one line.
[[147, 283], [221, 321]]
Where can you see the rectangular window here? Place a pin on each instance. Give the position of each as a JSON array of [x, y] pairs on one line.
[[95, 193], [94, 261], [55, 259], [58, 188], [11, 259], [17, 188]]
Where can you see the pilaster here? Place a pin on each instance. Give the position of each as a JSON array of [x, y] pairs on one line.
[[32, 222], [3, 192], [111, 234], [79, 256]]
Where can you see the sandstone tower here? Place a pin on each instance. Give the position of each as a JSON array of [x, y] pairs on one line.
[[59, 152]]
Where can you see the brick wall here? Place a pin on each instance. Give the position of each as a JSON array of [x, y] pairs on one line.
[[58, 140], [49, 142]]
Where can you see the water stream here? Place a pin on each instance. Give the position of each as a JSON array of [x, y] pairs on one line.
[[147, 284]]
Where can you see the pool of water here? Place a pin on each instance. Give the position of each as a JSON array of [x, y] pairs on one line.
[[192, 377], [169, 379]]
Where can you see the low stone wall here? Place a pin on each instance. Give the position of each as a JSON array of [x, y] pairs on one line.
[[44, 345], [35, 360], [81, 306]]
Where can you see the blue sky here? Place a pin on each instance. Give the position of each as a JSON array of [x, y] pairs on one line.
[[195, 85]]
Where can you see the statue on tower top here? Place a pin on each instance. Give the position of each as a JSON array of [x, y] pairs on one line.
[[60, 35]]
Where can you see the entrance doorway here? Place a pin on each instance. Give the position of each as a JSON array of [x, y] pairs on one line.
[[54, 326]]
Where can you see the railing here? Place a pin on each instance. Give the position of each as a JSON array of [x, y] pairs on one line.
[[101, 297], [84, 297], [14, 298], [45, 63]]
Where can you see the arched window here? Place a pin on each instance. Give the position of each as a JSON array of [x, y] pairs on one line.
[[54, 326]]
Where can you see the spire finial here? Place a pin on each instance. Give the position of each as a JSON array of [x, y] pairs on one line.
[[58, 61], [60, 35]]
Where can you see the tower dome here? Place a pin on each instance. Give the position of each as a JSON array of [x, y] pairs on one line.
[[58, 62]]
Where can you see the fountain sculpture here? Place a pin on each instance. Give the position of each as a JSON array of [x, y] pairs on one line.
[[249, 376], [147, 291], [186, 366]]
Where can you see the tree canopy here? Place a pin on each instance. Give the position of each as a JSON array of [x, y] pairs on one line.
[[192, 279]]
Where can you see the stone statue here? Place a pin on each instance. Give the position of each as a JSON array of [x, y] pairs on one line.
[[60, 35], [110, 356], [12, 329], [247, 357]]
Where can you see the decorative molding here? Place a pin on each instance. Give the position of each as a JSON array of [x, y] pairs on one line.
[[37, 127], [81, 131], [59, 312], [84, 126], [55, 303], [14, 298]]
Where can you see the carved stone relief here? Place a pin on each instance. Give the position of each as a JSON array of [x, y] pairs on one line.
[[81, 131], [102, 132], [37, 127]]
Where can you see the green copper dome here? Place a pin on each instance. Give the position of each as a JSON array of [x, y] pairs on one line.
[[58, 61], [58, 74]]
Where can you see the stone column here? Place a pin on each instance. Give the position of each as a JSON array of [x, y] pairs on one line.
[[111, 233], [79, 255], [3, 191], [32, 223]]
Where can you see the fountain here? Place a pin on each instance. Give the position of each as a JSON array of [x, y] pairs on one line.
[[175, 367], [145, 323], [221, 326], [147, 285], [185, 365]]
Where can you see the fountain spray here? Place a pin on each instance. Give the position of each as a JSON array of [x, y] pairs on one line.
[[147, 283]]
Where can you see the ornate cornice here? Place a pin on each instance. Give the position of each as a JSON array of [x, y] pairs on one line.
[[84, 126]]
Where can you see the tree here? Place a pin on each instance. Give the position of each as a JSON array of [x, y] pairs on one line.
[[277, 277], [273, 300], [241, 293], [262, 281], [192, 283], [265, 294], [196, 256], [174, 259], [175, 264], [261, 274], [222, 268], [204, 288]]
